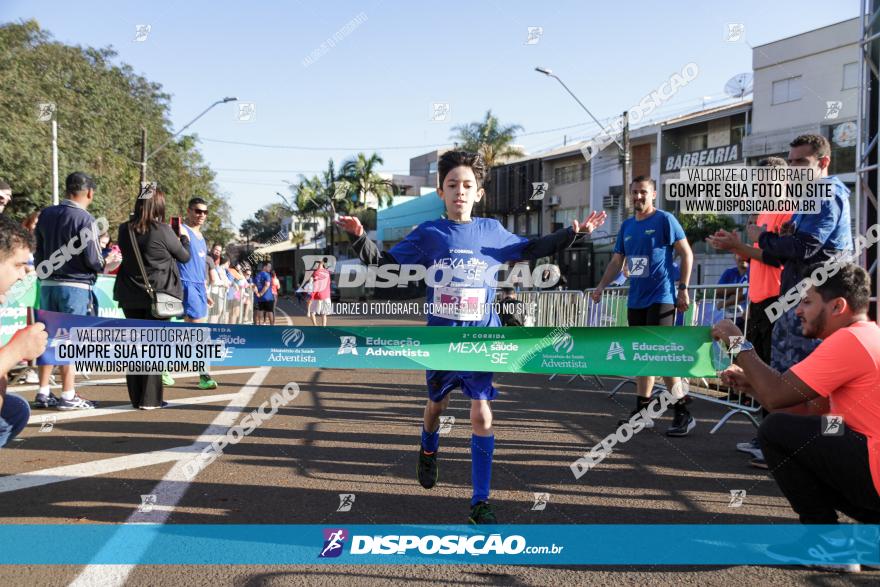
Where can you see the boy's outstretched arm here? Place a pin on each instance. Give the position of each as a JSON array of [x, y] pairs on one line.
[[562, 239], [363, 247]]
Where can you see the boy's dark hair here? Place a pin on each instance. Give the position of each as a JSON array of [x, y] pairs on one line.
[[78, 182], [772, 162], [851, 283], [646, 178], [4, 185], [193, 201], [14, 236], [820, 145], [507, 291], [452, 159], [148, 211]]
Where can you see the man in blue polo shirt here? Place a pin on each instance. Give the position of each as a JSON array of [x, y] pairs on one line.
[[646, 243]]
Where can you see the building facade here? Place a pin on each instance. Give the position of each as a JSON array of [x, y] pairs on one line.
[[809, 83]]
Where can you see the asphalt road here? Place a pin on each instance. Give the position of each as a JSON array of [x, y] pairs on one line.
[[357, 432]]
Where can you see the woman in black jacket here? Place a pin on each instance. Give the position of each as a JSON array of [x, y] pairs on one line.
[[160, 249]]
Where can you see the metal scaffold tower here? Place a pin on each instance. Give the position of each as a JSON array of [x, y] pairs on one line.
[[867, 187]]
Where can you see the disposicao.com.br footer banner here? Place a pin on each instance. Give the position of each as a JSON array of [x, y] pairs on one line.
[[419, 544]]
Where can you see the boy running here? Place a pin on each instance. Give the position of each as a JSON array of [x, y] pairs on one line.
[[460, 241]]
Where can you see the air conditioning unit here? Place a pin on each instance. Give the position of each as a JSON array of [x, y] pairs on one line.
[[610, 201], [553, 201]]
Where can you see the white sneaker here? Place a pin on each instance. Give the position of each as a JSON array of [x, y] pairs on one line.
[[751, 448], [77, 403]]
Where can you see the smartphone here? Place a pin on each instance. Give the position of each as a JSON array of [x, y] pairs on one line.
[[175, 224]]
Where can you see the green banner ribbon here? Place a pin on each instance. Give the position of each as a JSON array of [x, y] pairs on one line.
[[644, 350]]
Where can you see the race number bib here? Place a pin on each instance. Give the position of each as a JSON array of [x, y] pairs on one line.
[[459, 303], [638, 266]]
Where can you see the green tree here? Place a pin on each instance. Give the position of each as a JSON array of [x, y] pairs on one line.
[[698, 226], [489, 138], [359, 176], [100, 107], [266, 223]]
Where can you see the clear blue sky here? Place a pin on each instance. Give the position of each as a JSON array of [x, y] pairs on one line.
[[376, 86]]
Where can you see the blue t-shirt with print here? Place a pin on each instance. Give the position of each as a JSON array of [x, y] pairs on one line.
[[260, 281], [648, 247], [471, 252]]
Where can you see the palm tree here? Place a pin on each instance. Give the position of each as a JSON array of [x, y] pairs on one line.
[[358, 175], [490, 139]]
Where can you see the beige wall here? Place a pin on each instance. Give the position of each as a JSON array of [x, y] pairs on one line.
[[818, 57], [573, 196]]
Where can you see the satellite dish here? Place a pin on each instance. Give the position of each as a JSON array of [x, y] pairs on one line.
[[739, 86]]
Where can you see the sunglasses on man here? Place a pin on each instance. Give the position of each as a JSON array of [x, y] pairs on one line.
[[200, 211]]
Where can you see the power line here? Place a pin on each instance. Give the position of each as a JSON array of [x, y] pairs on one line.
[[305, 148]]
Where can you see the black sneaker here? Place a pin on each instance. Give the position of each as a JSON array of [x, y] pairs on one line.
[[427, 471], [482, 513], [682, 421], [641, 404], [649, 423], [46, 401]]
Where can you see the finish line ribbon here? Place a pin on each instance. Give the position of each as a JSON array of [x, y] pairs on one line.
[[632, 351]]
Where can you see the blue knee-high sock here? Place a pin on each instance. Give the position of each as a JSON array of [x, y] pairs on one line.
[[482, 448], [430, 440]]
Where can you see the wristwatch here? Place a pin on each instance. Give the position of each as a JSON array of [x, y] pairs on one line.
[[682, 286], [744, 346]]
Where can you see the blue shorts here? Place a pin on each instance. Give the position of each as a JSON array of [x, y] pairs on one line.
[[195, 299], [474, 384], [69, 300]]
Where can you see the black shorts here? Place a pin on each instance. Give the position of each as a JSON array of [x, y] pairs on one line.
[[654, 315], [266, 306]]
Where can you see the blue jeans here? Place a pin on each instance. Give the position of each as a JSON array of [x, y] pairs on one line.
[[13, 418], [69, 300]]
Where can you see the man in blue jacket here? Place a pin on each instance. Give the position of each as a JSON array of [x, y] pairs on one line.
[[809, 239], [68, 259]]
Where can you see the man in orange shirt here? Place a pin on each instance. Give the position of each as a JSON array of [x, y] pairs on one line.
[[822, 441]]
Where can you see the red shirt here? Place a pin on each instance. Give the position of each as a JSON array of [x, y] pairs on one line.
[[845, 368], [765, 280]]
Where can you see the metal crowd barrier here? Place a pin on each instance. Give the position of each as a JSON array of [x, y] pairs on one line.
[[555, 307], [709, 304], [234, 310]]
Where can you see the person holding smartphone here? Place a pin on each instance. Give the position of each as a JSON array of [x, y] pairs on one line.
[[161, 250]]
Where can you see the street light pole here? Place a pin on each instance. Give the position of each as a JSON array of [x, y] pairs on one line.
[[145, 157], [624, 148], [549, 73]]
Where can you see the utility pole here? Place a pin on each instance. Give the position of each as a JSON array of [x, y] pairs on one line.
[[625, 161], [54, 162], [143, 155]]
